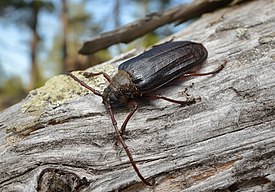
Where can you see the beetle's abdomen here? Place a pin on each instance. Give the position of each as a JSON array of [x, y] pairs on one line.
[[163, 63]]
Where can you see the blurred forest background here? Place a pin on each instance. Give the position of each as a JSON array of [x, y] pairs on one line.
[[40, 39]]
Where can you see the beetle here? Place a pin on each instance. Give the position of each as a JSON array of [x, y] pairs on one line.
[[141, 75]]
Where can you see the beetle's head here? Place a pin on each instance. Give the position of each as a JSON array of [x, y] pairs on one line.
[[120, 90], [120, 96], [114, 97]]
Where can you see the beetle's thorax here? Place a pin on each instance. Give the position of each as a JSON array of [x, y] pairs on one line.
[[121, 89]]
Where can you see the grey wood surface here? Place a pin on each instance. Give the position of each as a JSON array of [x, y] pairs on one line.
[[60, 136]]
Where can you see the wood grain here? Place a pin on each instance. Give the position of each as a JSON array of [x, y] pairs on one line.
[[224, 142]]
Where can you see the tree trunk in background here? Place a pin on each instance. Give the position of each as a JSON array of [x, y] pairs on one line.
[[64, 41], [35, 73], [117, 19], [61, 139]]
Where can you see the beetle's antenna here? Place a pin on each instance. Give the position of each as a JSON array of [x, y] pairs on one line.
[[96, 92], [132, 104], [120, 139]]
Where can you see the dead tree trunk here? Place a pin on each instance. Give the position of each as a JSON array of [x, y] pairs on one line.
[[61, 138]]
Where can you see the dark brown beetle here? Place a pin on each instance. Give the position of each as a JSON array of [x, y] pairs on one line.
[[139, 76]]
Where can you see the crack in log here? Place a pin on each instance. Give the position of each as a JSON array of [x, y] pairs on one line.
[[59, 120], [249, 184], [11, 179]]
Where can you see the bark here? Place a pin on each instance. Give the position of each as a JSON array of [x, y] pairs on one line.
[[61, 138]]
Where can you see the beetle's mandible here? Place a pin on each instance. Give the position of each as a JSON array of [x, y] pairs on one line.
[[139, 76]]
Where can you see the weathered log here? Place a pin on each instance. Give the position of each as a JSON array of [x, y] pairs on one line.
[[61, 139]]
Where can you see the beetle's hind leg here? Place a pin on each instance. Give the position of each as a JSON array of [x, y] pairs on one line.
[[190, 74], [189, 101]]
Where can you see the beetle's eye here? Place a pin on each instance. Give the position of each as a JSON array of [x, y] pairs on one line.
[[128, 94], [137, 80], [113, 98]]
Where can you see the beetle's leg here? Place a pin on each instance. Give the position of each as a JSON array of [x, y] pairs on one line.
[[189, 101], [96, 92], [202, 74], [154, 97], [91, 74], [134, 106], [120, 139]]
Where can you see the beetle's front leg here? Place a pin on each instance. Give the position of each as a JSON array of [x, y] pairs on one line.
[[121, 140], [82, 83], [91, 74], [134, 106]]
